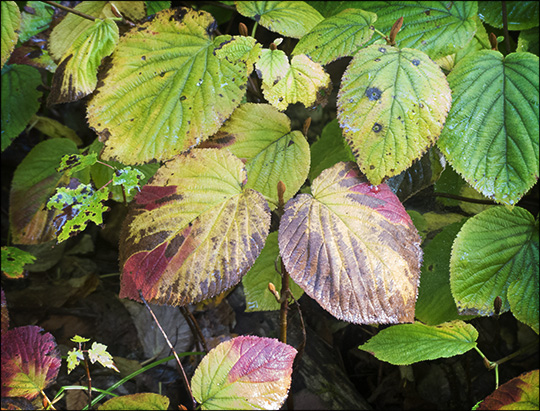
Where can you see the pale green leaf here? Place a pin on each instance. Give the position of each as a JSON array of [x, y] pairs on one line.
[[491, 133], [133, 10], [521, 15], [290, 18], [54, 129], [11, 20], [272, 66], [141, 401], [76, 75], [236, 49], [165, 93], [406, 344], [337, 36], [392, 105], [305, 82], [20, 100], [495, 250]]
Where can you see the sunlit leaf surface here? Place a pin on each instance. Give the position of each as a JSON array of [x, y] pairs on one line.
[[11, 20]]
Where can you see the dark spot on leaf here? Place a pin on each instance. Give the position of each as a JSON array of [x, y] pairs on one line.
[[35, 54], [428, 12], [377, 60], [162, 74], [424, 42], [373, 93], [420, 105], [290, 143], [372, 167], [104, 135], [179, 14], [430, 268], [416, 62], [377, 127], [182, 98], [382, 49]]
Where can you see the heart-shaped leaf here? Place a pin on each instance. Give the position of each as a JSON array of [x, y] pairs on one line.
[[520, 393], [30, 362], [392, 105], [193, 231], [406, 344], [491, 134], [261, 136], [353, 248], [244, 373], [496, 255], [167, 90]]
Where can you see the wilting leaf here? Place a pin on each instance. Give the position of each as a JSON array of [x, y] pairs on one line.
[[255, 282], [520, 393], [166, 90], [491, 134], [406, 344], [438, 28], [305, 82], [30, 362], [141, 401], [337, 36], [11, 20], [290, 18], [353, 248], [521, 15], [392, 105], [261, 136], [76, 75], [20, 99], [244, 373], [34, 181], [496, 255], [193, 231], [13, 261]]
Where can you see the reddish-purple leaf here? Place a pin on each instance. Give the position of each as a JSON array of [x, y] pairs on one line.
[[30, 361], [520, 393], [353, 248], [5, 313]]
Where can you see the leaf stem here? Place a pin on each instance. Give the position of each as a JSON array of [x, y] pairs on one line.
[[254, 29], [466, 199], [70, 10], [284, 304], [384, 36], [505, 27]]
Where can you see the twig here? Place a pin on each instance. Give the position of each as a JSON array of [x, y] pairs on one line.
[[70, 10], [194, 326], [505, 27], [186, 382]]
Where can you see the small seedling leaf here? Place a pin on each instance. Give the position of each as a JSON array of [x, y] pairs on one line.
[[74, 357], [75, 162], [129, 178], [99, 353]]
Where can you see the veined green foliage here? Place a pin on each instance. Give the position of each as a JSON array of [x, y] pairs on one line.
[[290, 18], [166, 90], [494, 110], [13, 261], [337, 36], [140, 401], [406, 344], [37, 21], [521, 15], [272, 66], [392, 105], [496, 255], [76, 75], [11, 20]]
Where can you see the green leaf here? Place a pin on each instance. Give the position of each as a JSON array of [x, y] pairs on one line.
[[337, 36], [36, 17], [352, 247], [261, 136], [166, 93], [34, 181], [54, 129], [71, 163], [305, 82], [74, 357], [128, 178], [496, 255], [272, 66], [520, 393], [406, 344], [521, 15], [491, 133], [79, 339], [289, 18], [438, 28], [76, 75], [20, 99], [392, 105], [244, 373], [141, 401], [11, 20], [152, 7], [236, 49], [13, 261], [255, 282], [193, 231], [528, 41], [329, 149]]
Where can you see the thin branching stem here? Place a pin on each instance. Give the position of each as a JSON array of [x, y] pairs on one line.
[[505, 27], [70, 10]]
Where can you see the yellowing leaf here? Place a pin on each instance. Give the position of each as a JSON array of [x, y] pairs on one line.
[[305, 82], [166, 90], [193, 231], [520, 393], [244, 373], [11, 20], [353, 248], [392, 105], [76, 75], [272, 66]]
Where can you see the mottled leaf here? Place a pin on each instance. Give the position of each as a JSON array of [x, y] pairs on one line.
[[35, 18], [261, 137], [353, 248], [521, 15], [491, 134], [496, 255], [30, 362], [20, 100], [272, 66], [305, 82], [520, 393], [406, 344], [244, 373], [13, 261], [76, 75], [166, 90], [337, 36], [290, 18], [237, 49], [141, 401], [11, 20], [193, 231], [392, 105]]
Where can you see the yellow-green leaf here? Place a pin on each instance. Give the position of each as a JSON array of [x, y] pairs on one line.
[[11, 20]]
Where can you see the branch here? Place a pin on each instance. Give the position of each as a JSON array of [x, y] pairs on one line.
[[70, 10], [505, 27]]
